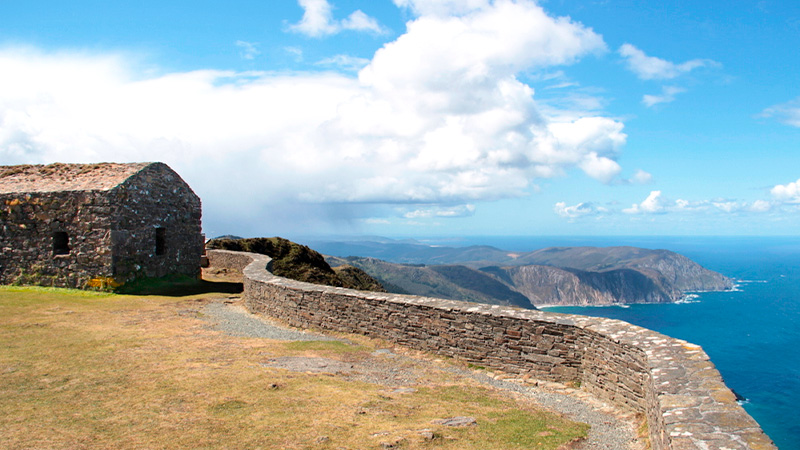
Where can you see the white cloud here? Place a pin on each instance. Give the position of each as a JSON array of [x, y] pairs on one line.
[[447, 212], [443, 7], [787, 193], [248, 50], [579, 210], [345, 62], [760, 206], [437, 117], [318, 20], [729, 206], [359, 21], [787, 200], [642, 177], [667, 96], [297, 53], [653, 204], [787, 113], [600, 167], [652, 68]]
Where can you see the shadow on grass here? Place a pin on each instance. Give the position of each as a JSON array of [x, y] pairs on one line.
[[178, 286]]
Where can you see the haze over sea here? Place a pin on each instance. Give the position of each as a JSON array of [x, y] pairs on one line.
[[752, 334]]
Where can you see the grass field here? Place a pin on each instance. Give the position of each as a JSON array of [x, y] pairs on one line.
[[82, 370]]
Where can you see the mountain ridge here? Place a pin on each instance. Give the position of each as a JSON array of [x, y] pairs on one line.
[[550, 276]]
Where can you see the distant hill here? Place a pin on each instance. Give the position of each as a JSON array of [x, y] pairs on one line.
[[442, 281], [677, 271], [298, 262], [551, 276]]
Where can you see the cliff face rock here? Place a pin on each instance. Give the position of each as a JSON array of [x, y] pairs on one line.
[[546, 285], [675, 272]]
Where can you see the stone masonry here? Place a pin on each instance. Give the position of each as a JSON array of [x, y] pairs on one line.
[[95, 225], [670, 381]]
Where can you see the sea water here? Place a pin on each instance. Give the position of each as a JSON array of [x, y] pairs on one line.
[[752, 334]]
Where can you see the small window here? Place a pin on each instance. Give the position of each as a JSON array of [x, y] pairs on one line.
[[161, 241], [60, 243]]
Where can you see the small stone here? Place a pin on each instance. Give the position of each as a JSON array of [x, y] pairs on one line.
[[405, 390], [427, 435], [458, 421]]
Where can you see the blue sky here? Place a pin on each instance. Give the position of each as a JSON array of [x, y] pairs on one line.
[[424, 117]]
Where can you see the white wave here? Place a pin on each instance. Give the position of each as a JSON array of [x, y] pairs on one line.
[[689, 298]]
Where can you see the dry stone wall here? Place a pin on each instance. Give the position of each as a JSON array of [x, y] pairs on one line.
[[156, 198], [671, 381], [28, 222]]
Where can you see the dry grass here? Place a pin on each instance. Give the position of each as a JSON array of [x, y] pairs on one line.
[[84, 370]]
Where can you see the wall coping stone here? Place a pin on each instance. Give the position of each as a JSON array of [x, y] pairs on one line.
[[673, 382]]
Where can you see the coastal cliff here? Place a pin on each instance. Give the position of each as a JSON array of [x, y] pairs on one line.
[[563, 276]]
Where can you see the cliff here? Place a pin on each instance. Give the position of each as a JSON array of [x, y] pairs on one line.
[[444, 281], [545, 285], [564, 276], [663, 266]]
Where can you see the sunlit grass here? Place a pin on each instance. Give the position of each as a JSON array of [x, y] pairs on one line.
[[96, 370]]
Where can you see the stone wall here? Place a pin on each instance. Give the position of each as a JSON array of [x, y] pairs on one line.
[[670, 381], [28, 222], [154, 198]]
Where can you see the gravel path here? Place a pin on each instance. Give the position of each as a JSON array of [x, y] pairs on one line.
[[609, 429], [235, 320]]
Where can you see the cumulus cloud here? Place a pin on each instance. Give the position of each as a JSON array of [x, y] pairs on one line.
[[437, 117], [359, 21], [786, 198], [787, 193], [642, 177], [247, 50], [652, 68], [653, 204], [787, 113], [760, 206], [579, 210], [318, 20], [668, 94]]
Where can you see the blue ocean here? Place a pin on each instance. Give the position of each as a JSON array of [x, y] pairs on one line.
[[751, 334]]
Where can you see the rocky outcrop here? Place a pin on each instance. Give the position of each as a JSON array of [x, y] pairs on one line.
[[298, 262]]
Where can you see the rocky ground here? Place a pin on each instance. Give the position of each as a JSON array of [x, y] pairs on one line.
[[400, 369]]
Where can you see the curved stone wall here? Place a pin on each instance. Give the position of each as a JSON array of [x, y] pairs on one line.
[[671, 381]]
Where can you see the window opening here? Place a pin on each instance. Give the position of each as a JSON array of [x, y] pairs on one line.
[[60, 243], [161, 241]]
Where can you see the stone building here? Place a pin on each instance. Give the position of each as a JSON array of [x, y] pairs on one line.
[[94, 225]]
